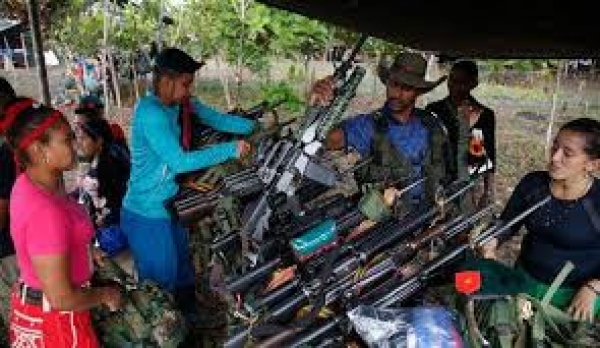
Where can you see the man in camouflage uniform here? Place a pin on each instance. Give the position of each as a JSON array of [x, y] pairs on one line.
[[471, 131], [405, 143]]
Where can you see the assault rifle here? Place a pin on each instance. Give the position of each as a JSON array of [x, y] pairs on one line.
[[325, 228], [344, 281], [292, 159], [290, 218], [289, 222], [198, 198], [330, 286], [398, 290]]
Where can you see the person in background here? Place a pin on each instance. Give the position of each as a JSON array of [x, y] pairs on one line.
[[103, 187], [91, 107], [158, 243], [52, 233], [91, 76], [8, 174], [471, 130]]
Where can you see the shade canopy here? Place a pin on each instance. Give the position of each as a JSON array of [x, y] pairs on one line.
[[479, 29]]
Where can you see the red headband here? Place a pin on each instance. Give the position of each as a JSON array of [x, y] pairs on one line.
[[40, 129], [13, 110]]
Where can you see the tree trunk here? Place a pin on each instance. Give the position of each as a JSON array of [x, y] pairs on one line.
[[375, 77], [555, 100], [135, 79], [34, 20], [224, 81], [115, 79], [103, 58], [25, 52]]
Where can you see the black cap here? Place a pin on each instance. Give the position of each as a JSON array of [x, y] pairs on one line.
[[176, 60], [90, 105]]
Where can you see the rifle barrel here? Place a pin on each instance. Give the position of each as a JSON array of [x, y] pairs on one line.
[[254, 276]]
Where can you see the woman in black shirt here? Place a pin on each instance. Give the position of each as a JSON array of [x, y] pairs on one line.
[[568, 227], [103, 186]]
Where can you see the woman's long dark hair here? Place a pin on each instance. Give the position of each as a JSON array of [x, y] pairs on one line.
[[113, 163], [590, 129]]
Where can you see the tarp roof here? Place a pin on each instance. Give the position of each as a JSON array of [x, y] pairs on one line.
[[8, 24], [479, 29]]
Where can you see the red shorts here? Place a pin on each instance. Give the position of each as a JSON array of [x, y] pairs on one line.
[[32, 327]]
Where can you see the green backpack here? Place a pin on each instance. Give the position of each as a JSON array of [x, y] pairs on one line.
[[149, 317], [523, 321]]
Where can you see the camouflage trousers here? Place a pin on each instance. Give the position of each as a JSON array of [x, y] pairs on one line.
[[209, 327], [8, 276]]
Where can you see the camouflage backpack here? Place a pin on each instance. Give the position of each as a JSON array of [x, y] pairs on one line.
[[523, 321], [149, 317]]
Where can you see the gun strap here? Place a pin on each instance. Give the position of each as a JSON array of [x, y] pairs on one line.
[[185, 121], [557, 282], [592, 213], [546, 315], [388, 163]]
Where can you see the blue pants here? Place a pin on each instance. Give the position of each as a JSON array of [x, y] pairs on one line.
[[160, 249]]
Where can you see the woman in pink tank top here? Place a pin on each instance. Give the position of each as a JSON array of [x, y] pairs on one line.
[[52, 235]]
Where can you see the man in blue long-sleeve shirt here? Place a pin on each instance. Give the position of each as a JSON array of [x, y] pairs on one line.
[[158, 243]]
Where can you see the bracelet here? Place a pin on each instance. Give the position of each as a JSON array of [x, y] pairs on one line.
[[589, 286]]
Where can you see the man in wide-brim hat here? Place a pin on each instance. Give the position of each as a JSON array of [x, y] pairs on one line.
[[409, 69], [405, 143]]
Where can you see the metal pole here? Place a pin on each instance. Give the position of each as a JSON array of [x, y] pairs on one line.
[[553, 111], [159, 30], [25, 52], [38, 47], [104, 57]]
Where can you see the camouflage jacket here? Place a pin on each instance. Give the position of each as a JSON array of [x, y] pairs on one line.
[[389, 165]]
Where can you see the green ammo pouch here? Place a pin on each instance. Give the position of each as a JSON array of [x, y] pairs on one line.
[[373, 206]]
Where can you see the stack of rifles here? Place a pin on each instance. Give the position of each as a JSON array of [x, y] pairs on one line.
[[311, 254]]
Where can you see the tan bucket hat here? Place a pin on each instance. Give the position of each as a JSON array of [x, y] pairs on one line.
[[408, 68]]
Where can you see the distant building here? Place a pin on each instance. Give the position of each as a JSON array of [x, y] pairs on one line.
[[14, 35]]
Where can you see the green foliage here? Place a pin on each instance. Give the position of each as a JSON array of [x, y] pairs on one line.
[[88, 38], [283, 91], [81, 26], [241, 31], [373, 46], [296, 74], [520, 65], [136, 24], [49, 10]]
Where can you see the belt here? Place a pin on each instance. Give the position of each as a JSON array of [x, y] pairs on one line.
[[30, 295]]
